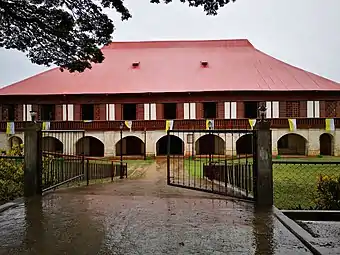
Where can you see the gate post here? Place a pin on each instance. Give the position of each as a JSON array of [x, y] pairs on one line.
[[33, 160], [263, 168]]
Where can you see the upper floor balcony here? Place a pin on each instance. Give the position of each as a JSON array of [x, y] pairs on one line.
[[152, 125]]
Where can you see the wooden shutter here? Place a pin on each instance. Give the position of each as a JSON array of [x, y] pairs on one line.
[[159, 111], [199, 110], [180, 111], [140, 112], [118, 112]]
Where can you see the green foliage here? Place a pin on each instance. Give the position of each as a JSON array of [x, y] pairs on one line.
[[68, 33], [328, 193], [11, 176]]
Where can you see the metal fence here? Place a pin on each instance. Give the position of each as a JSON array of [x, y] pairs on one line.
[[13, 160], [216, 161], [298, 184], [59, 171], [64, 160]]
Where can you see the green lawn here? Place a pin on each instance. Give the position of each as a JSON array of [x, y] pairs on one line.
[[294, 184]]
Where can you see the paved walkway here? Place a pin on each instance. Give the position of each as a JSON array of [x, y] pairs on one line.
[[141, 216]]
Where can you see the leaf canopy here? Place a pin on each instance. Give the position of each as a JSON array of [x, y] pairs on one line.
[[68, 33]]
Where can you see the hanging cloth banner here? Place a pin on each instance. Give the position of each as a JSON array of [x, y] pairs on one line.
[[252, 123], [209, 124], [292, 124], [10, 130], [87, 121], [330, 126], [169, 124], [128, 123], [46, 125]]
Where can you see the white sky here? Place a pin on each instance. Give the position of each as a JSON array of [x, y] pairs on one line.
[[304, 33]]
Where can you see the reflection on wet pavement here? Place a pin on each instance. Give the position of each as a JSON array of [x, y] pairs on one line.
[[119, 218]]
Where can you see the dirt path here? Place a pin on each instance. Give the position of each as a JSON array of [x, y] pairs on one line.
[[149, 180]]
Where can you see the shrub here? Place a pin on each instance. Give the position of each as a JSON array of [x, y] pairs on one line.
[[328, 193], [11, 176]]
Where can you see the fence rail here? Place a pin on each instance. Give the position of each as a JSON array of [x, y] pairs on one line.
[[59, 171], [306, 184], [140, 125], [237, 176], [205, 166]]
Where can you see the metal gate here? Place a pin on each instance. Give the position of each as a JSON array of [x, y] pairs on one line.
[[62, 157], [215, 161]]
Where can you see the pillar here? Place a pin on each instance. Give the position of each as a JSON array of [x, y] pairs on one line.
[[33, 160], [263, 169]]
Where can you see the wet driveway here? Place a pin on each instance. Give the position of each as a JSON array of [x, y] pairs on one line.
[[141, 216]]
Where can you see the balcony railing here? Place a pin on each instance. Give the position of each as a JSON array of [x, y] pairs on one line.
[[140, 125]]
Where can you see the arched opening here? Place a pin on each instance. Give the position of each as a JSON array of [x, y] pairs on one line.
[[131, 146], [52, 144], [326, 144], [176, 146], [90, 146], [244, 145], [210, 144], [15, 141], [292, 144]]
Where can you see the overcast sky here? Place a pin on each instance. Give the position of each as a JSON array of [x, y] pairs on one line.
[[304, 33]]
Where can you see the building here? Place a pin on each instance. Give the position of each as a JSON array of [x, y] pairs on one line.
[[185, 81]]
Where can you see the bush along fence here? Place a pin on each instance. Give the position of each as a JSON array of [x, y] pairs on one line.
[[56, 171], [307, 184]]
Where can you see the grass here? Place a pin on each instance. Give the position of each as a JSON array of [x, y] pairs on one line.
[[294, 184]]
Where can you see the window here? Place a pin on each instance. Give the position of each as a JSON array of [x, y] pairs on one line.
[[47, 112], [129, 112], [170, 110], [251, 109], [292, 109], [209, 110], [8, 112], [87, 112], [330, 108]]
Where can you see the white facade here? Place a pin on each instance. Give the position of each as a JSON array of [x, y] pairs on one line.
[[111, 138]]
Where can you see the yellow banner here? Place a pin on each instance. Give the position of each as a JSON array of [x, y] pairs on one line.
[[128, 123], [46, 125], [292, 124], [10, 128], [252, 123], [209, 124], [169, 124], [330, 126]]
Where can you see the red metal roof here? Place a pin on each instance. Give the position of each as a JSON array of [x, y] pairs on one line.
[[175, 66]]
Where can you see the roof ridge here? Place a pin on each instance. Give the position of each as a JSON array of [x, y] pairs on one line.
[[179, 44]]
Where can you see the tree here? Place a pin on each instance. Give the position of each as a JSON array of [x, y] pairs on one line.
[[67, 33]]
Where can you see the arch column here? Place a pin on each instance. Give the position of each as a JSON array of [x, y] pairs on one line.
[[230, 144], [326, 144], [292, 144], [90, 146], [210, 144], [131, 146], [176, 145]]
